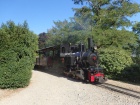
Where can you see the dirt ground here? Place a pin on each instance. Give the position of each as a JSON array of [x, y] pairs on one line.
[[50, 87]]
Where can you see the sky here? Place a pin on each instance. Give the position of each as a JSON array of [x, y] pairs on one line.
[[40, 14]]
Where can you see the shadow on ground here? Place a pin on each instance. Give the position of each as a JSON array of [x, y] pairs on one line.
[[56, 71]]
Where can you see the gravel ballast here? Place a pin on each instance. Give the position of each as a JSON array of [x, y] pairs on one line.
[[48, 89]]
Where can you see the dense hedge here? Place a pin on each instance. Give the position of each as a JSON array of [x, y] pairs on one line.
[[17, 54], [115, 61], [131, 73]]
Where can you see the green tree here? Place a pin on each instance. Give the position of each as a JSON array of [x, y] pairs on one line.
[[113, 38], [104, 17], [17, 54], [115, 61], [107, 13], [136, 30], [66, 32], [43, 37], [107, 21]]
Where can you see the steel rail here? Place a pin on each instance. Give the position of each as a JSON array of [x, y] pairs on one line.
[[120, 90]]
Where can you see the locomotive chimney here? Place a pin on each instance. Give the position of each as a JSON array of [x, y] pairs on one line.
[[90, 44]]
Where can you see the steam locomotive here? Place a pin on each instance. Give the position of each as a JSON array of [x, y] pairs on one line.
[[82, 63]]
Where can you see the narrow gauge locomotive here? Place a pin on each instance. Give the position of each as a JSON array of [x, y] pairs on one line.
[[81, 63]]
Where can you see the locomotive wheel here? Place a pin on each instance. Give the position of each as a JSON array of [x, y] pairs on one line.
[[73, 75], [76, 77]]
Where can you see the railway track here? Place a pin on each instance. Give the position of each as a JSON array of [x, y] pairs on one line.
[[121, 90]]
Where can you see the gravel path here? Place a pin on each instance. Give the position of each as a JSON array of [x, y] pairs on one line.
[[47, 89]]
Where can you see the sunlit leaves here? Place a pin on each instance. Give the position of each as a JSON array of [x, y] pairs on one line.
[[115, 61], [17, 54], [107, 13]]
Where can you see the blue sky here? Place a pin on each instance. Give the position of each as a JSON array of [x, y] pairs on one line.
[[40, 14]]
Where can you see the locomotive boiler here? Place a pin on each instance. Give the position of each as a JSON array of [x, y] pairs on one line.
[[82, 63]]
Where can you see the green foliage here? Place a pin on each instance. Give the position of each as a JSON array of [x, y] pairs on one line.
[[106, 13], [43, 37], [17, 54], [66, 32], [121, 39], [136, 28], [131, 73], [114, 61]]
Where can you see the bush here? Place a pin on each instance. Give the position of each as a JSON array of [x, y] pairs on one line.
[[114, 61], [17, 55], [131, 73]]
